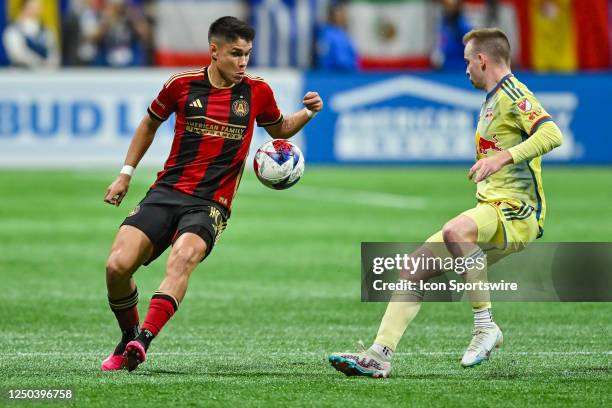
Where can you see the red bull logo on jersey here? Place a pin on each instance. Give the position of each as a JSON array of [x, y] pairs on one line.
[[484, 145]]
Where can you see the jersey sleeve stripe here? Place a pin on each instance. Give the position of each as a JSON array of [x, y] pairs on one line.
[[539, 199], [274, 122], [539, 122], [254, 77], [517, 90], [191, 71], [508, 93], [155, 115], [183, 75], [510, 87]]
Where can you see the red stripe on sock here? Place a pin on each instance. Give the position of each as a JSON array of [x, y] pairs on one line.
[[127, 318], [160, 311]]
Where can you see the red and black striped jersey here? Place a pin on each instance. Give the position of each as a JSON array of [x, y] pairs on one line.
[[213, 132]]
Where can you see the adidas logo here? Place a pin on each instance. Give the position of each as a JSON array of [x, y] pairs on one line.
[[196, 104]]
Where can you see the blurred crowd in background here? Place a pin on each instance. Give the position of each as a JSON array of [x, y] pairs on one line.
[[546, 35]]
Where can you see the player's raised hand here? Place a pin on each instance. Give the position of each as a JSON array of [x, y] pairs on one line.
[[117, 190], [483, 168], [313, 101]]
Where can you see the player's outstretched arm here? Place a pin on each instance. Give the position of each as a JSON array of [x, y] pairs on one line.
[[292, 124], [143, 137], [547, 137]]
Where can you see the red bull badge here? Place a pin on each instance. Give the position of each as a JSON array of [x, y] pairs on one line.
[[485, 145]]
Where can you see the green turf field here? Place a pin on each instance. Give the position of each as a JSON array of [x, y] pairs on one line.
[[280, 291]]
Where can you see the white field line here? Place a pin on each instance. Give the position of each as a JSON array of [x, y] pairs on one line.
[[359, 197], [336, 195], [305, 353]]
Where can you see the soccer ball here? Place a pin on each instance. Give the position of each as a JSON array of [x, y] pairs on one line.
[[278, 164]]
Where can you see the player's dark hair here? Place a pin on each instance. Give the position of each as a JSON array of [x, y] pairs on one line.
[[230, 29], [491, 41]]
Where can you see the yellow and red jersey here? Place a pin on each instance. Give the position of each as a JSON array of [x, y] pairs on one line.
[[510, 114]]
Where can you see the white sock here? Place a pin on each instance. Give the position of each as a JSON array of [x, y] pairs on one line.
[[385, 353], [483, 319]]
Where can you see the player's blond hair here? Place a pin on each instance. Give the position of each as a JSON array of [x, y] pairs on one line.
[[491, 41]]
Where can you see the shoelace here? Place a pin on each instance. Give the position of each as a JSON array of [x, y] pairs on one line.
[[366, 353], [477, 340]]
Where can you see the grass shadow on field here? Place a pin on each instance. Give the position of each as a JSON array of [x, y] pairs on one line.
[[158, 371]]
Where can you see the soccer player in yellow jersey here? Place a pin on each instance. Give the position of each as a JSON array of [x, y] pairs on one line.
[[513, 133]]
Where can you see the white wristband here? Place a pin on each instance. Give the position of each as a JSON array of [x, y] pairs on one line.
[[311, 114], [127, 169]]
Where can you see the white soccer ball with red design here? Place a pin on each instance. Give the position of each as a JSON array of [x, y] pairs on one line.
[[279, 164]]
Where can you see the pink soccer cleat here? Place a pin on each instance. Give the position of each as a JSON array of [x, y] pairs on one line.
[[135, 354], [114, 362]]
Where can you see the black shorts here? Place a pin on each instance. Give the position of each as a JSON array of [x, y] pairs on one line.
[[164, 214]]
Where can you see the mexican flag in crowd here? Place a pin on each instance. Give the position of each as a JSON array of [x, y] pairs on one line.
[[392, 34], [546, 35]]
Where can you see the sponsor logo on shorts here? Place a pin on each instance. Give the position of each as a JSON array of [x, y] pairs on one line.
[[219, 223], [134, 211]]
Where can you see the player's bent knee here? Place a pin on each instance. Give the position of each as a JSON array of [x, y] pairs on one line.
[[425, 271], [459, 230], [186, 257], [118, 269], [450, 233]]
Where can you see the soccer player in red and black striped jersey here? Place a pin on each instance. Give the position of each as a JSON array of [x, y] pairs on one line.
[[188, 206]]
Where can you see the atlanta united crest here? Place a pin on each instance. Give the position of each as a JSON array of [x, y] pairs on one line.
[[240, 107]]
